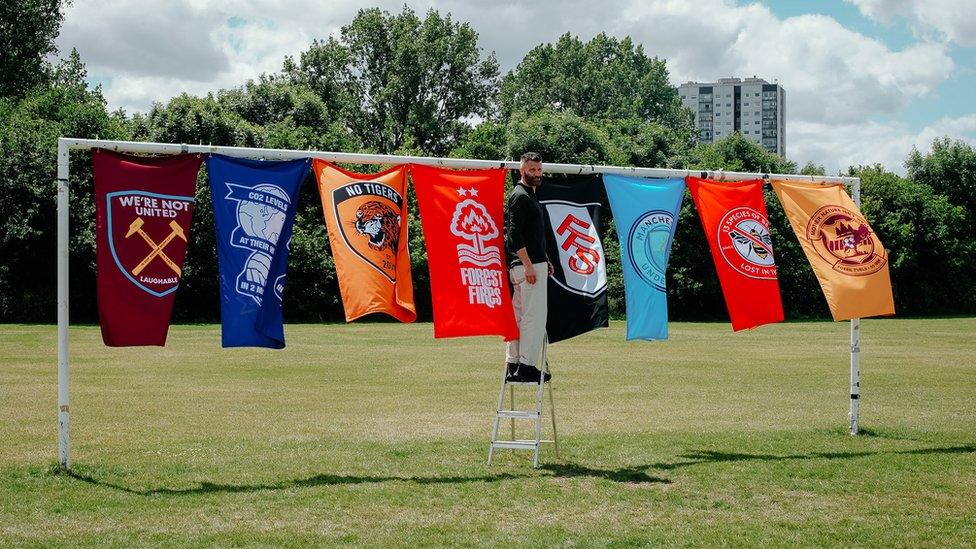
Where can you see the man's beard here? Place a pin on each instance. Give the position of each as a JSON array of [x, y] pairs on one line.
[[532, 181]]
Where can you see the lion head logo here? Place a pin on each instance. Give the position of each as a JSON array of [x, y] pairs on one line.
[[380, 224]]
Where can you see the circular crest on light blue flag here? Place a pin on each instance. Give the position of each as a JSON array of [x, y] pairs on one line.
[[646, 213]]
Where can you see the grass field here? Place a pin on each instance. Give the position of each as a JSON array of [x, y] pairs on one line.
[[376, 434]]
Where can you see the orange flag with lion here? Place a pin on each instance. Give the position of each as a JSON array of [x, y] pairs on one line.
[[366, 216]]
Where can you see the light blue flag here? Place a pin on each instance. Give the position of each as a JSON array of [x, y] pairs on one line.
[[646, 213]]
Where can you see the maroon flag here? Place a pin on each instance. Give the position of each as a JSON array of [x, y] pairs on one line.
[[143, 208]]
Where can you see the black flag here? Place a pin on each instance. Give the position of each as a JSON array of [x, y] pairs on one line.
[[578, 287]]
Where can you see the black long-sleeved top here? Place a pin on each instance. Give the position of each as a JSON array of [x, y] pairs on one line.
[[525, 226]]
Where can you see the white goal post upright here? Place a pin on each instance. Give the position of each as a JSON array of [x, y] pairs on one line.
[[63, 251], [67, 144], [854, 415]]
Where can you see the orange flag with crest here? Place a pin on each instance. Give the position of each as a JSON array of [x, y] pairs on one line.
[[846, 255], [366, 216]]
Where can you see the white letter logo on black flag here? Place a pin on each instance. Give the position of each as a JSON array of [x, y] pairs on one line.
[[578, 286]]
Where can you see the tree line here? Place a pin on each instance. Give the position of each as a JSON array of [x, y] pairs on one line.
[[406, 83]]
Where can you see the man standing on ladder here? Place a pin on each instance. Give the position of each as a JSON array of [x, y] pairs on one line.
[[525, 247]]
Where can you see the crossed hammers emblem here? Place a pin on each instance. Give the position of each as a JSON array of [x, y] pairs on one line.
[[157, 249]]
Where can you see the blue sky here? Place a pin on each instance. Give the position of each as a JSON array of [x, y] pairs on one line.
[[952, 98], [866, 80]]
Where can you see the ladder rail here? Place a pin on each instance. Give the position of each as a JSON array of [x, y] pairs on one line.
[[513, 414], [511, 393], [552, 415], [539, 400], [498, 406]]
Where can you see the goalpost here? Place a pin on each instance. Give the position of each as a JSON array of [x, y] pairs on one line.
[[67, 144]]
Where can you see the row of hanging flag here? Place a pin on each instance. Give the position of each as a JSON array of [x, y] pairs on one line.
[[144, 207]]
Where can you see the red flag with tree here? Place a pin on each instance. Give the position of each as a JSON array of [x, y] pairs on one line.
[[462, 215]]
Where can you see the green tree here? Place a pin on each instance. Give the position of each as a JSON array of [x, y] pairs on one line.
[[810, 168], [931, 260], [27, 32], [604, 79], [486, 141], [735, 153], [949, 169], [402, 81], [29, 130], [189, 119], [558, 137]]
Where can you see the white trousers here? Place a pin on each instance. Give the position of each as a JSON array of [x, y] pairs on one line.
[[530, 304]]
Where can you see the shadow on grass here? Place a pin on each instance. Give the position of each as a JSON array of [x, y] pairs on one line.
[[711, 456], [628, 475], [631, 475], [638, 475], [317, 480]]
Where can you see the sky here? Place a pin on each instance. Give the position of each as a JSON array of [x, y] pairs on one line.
[[865, 80]]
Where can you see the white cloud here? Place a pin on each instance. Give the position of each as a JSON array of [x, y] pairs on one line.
[[950, 20], [838, 146], [143, 55], [170, 39], [829, 72], [835, 78]]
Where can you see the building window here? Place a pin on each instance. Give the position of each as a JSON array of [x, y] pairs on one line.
[[746, 103], [757, 122]]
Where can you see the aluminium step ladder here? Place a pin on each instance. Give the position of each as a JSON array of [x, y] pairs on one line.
[[513, 414]]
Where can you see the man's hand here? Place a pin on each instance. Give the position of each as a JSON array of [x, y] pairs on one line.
[[530, 273]]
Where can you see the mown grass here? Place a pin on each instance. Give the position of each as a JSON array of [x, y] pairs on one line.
[[376, 434]]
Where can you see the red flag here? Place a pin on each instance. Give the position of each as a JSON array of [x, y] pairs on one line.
[[143, 208], [734, 218], [462, 216]]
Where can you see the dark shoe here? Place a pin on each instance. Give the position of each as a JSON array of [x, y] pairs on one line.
[[512, 371], [530, 374]]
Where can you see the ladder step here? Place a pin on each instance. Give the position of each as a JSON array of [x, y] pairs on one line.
[[517, 414], [514, 444], [533, 383]]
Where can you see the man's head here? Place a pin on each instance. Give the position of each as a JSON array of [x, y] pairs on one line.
[[531, 169]]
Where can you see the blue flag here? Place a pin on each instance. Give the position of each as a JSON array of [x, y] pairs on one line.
[[254, 206], [646, 213]]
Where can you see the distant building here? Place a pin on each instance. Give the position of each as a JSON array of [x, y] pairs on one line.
[[751, 106]]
